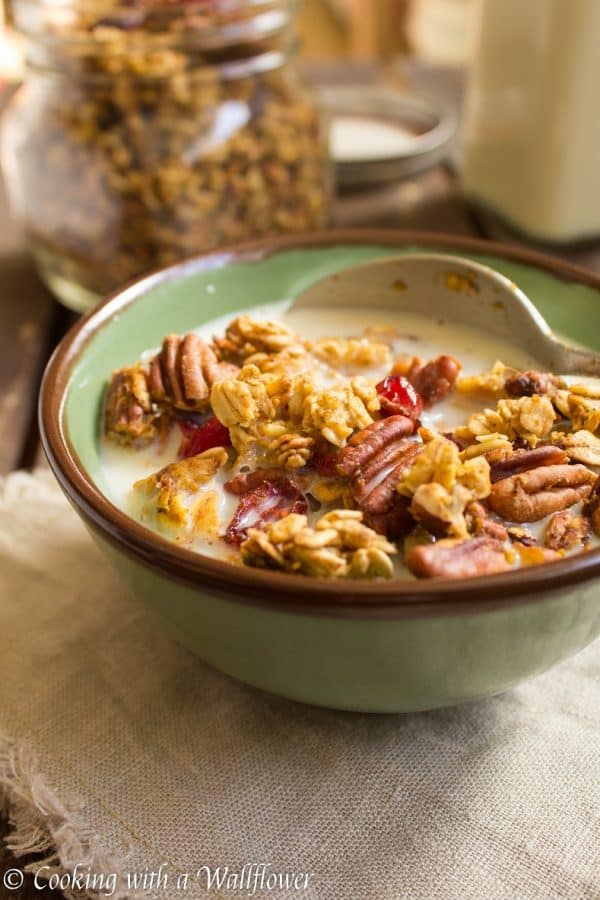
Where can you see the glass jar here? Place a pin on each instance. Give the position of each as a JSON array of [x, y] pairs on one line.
[[146, 132]]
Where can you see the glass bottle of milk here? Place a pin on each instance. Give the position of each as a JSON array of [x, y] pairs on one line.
[[532, 127]]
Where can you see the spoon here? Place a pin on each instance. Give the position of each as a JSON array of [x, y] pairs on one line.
[[441, 286]]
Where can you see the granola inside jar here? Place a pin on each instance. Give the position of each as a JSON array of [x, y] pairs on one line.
[[149, 131]]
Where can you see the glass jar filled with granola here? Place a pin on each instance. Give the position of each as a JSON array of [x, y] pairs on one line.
[[151, 130]]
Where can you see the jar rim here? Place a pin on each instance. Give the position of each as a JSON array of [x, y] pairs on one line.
[[124, 25], [252, 65]]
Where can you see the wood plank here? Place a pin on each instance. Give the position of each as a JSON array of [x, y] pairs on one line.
[[428, 202], [27, 319]]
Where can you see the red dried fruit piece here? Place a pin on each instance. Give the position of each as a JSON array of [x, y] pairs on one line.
[[399, 397], [198, 438], [267, 502], [324, 462]]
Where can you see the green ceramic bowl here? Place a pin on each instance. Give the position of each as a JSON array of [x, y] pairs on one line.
[[384, 647]]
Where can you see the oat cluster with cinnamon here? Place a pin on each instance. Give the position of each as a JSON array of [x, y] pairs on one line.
[[313, 456]]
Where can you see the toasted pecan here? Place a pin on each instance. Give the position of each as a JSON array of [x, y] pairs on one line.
[[566, 531], [480, 524], [530, 382], [523, 460], [129, 416], [184, 371], [457, 559], [374, 490], [375, 484], [592, 507], [395, 522], [434, 380], [364, 445], [532, 495]]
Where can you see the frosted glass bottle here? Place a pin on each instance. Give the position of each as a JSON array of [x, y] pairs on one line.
[[532, 122]]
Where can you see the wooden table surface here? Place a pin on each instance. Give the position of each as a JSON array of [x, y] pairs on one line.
[[31, 322]]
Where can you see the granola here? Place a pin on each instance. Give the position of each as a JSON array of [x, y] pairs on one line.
[[528, 418], [129, 415], [580, 446], [162, 130], [167, 493], [341, 352], [502, 380], [441, 486], [245, 337], [298, 456], [339, 545]]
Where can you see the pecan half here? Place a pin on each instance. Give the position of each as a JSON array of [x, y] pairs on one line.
[[434, 380], [374, 490], [524, 460], [375, 483], [366, 444], [457, 559], [129, 416], [528, 383], [592, 508], [565, 530], [395, 521], [532, 495], [480, 524], [184, 371]]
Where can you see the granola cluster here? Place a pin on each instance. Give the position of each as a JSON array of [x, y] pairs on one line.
[[160, 131], [173, 493], [441, 486], [339, 545], [333, 470], [528, 418]]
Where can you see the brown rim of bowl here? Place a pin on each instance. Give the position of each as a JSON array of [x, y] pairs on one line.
[[262, 587]]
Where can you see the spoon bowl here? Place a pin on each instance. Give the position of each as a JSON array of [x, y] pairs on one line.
[[451, 288]]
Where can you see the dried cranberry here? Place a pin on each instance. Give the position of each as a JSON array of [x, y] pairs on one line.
[[198, 438], [323, 462], [267, 502], [399, 397]]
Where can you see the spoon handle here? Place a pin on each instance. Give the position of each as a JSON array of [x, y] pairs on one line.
[[571, 360]]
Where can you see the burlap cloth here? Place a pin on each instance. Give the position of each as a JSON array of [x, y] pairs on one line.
[[121, 751]]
